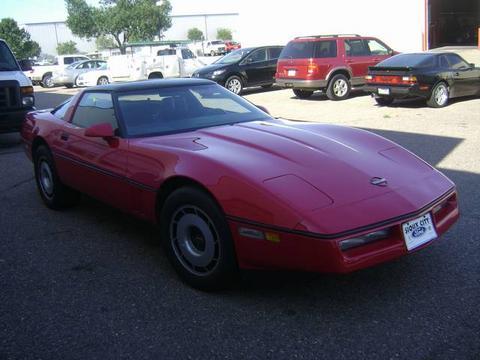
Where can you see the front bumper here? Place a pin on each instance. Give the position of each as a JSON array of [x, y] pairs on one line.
[[83, 82], [301, 84], [219, 79], [295, 250], [11, 120], [397, 91]]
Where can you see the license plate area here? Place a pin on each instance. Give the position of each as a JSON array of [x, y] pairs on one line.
[[418, 231], [292, 72], [383, 91]]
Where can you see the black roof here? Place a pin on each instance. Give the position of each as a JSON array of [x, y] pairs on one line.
[[150, 84]]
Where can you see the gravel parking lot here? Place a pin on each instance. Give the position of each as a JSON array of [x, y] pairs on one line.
[[88, 284]]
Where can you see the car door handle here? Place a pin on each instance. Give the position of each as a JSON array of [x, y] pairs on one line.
[[64, 136]]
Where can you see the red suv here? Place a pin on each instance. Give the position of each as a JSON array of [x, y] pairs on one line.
[[334, 63]]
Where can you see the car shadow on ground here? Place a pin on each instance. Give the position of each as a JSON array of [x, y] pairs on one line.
[[259, 90], [321, 96], [416, 103]]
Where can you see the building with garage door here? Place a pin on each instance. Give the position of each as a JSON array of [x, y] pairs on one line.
[[406, 25]]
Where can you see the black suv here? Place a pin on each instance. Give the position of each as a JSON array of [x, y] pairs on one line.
[[243, 68]]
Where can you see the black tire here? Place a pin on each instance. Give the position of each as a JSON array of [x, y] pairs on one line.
[[440, 96], [234, 84], [267, 86], [339, 88], [212, 53], [302, 94], [53, 192], [102, 80], [155, 76], [69, 86], [47, 81], [207, 259], [384, 101]]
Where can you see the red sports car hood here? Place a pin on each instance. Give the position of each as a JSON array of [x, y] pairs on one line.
[[333, 178]]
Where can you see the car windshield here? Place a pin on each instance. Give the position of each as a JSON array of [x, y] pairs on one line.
[[217, 42], [72, 65], [7, 60], [233, 57], [409, 60], [170, 110]]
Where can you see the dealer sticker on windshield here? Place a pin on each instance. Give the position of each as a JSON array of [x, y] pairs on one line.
[[419, 231]]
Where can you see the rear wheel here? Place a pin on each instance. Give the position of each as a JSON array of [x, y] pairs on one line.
[[439, 97], [302, 94], [338, 88], [68, 86], [103, 80], [53, 192], [47, 81], [384, 101], [234, 84], [197, 239], [155, 75]]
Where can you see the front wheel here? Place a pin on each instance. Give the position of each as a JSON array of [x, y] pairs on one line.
[[384, 101], [338, 88], [53, 192], [439, 97], [234, 84], [103, 80], [197, 239], [302, 94]]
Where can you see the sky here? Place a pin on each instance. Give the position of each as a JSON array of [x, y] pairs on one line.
[[28, 11]]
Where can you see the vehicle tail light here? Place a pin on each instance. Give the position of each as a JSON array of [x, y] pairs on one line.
[[312, 68], [391, 79]]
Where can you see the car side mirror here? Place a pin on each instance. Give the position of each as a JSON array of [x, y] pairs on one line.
[[102, 130], [472, 65], [263, 108]]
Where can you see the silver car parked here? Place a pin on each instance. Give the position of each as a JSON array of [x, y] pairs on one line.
[[68, 76]]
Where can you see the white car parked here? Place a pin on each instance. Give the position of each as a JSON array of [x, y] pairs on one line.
[[101, 76]]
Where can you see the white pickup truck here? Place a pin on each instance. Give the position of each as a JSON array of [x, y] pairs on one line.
[[42, 75], [167, 63], [16, 92]]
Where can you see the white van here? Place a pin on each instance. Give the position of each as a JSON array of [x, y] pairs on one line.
[[16, 92]]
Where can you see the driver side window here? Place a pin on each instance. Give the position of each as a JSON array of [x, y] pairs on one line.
[[456, 62], [95, 108], [257, 56]]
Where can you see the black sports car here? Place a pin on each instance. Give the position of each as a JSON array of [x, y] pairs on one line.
[[436, 77], [244, 67]]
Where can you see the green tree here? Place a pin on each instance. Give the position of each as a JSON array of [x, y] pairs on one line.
[[195, 34], [224, 34], [18, 39], [104, 42], [123, 20], [68, 47]]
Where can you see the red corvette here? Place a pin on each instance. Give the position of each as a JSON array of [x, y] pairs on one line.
[[233, 187]]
